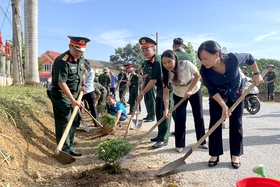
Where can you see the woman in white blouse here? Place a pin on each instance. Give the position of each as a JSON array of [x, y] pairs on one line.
[[184, 76]]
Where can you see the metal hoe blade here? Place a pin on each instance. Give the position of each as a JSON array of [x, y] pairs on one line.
[[181, 161], [85, 126], [64, 158], [136, 124], [171, 166]]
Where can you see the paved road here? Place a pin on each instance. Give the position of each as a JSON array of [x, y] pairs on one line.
[[261, 146]]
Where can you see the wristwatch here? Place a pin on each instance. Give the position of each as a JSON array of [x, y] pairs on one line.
[[257, 73]]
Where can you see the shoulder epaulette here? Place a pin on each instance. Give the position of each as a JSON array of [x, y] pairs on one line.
[[152, 60], [65, 57]]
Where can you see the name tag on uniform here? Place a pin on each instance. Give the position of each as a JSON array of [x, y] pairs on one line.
[[73, 67]]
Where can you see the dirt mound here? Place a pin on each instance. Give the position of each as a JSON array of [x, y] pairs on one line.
[[26, 152]]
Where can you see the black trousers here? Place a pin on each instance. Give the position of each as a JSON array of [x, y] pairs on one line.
[[90, 98], [235, 129], [113, 91], [270, 93], [181, 117]]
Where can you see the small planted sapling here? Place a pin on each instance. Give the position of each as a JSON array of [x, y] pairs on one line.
[[111, 151]]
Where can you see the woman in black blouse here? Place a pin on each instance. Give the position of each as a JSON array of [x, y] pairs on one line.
[[220, 74]]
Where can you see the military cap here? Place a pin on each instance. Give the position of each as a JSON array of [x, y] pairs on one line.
[[270, 65], [244, 67], [146, 42], [97, 74], [105, 70], [79, 43], [121, 67], [128, 65], [178, 41]]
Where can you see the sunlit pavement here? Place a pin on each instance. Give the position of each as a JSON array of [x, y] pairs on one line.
[[261, 146]]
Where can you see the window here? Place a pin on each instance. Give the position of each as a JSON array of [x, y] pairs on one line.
[[48, 67]]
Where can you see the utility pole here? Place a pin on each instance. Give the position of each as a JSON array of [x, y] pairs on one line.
[[156, 41], [17, 43]]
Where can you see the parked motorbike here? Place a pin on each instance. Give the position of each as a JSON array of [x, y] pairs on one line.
[[251, 101]]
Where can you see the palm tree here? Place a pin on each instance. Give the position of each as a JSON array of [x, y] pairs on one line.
[[31, 41]]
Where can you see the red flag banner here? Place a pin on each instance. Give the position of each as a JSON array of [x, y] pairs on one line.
[[8, 50]]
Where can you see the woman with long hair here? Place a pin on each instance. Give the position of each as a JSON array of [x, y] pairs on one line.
[[184, 76], [220, 74]]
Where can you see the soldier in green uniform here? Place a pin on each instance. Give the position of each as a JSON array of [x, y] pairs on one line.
[[154, 63], [270, 78], [100, 91], [150, 96], [134, 86], [105, 79], [178, 48], [68, 79], [122, 80]]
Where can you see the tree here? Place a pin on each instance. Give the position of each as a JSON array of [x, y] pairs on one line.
[[129, 53], [189, 49], [31, 41]]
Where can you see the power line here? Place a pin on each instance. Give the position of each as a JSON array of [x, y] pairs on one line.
[[141, 16], [5, 15]]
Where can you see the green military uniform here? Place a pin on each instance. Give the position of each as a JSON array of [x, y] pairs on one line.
[[155, 69], [270, 75], [154, 65], [135, 85], [150, 96], [182, 55], [69, 71], [105, 79], [100, 90], [122, 85], [178, 47]]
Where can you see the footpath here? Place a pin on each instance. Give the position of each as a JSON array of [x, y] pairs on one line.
[[261, 146]]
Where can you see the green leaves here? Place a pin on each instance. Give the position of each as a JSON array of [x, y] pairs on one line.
[[111, 151], [108, 120], [129, 53]]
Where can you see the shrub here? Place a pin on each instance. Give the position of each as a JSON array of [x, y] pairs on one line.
[[108, 120], [111, 151], [101, 109], [204, 91]]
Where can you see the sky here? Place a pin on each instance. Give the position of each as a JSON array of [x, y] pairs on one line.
[[244, 26]]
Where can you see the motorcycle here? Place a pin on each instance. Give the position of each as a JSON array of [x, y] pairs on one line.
[[251, 101]]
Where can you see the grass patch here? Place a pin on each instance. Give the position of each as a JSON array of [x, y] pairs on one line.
[[18, 103]]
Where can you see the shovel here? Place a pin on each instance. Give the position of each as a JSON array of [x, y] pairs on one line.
[[125, 91], [135, 124], [128, 125], [92, 117], [83, 122], [59, 155], [104, 128], [125, 159], [119, 82], [181, 161], [159, 122]]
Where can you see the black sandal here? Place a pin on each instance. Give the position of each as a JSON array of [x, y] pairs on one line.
[[235, 165]]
